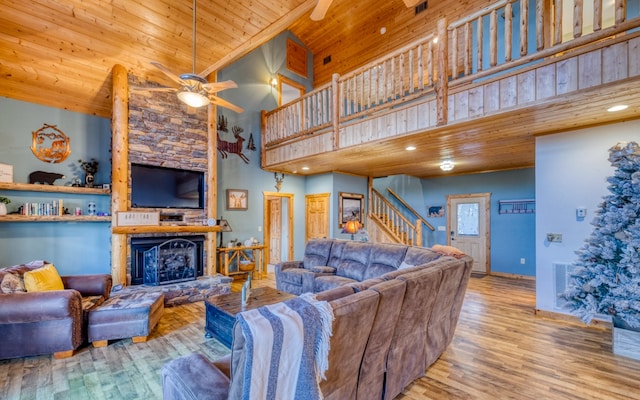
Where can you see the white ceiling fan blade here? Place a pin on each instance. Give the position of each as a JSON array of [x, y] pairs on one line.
[[168, 73], [411, 3], [321, 9], [223, 103], [213, 87]]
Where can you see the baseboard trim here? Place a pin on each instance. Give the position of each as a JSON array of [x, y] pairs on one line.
[[513, 276]]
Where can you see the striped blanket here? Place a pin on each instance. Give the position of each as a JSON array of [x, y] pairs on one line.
[[287, 349]]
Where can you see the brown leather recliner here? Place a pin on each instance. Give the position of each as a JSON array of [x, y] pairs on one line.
[[36, 323]]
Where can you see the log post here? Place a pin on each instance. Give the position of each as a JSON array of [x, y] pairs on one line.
[[119, 169], [212, 185]]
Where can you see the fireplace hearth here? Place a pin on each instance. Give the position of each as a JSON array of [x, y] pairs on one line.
[[164, 260]]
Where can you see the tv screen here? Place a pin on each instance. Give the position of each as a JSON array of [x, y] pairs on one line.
[[160, 187]]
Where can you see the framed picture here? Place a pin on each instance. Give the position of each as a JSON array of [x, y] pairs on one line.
[[351, 207], [435, 211], [237, 199]]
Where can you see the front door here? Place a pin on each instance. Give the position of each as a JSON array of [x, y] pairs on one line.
[[468, 226]]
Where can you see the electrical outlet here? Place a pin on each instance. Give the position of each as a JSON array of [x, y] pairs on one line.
[[522, 261], [260, 228]]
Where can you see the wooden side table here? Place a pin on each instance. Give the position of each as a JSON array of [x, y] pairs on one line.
[[227, 256]]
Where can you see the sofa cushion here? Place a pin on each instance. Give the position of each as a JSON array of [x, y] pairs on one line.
[[355, 260], [316, 252], [336, 253], [420, 255], [43, 279], [384, 258], [12, 283], [326, 282]]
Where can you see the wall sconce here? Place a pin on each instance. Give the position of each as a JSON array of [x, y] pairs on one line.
[[447, 165], [273, 82], [278, 180]]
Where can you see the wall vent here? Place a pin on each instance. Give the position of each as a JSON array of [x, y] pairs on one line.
[[326, 60], [421, 7], [561, 276]]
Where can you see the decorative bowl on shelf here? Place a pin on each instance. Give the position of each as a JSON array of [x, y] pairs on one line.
[[246, 266]]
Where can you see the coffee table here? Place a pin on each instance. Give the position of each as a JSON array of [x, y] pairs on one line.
[[221, 310]]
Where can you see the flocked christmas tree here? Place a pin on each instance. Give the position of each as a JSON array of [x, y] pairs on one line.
[[606, 279]]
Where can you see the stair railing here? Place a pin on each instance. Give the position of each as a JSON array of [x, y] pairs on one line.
[[393, 222]]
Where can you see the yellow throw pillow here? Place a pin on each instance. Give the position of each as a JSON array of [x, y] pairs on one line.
[[43, 279]]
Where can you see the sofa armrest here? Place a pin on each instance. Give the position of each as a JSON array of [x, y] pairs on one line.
[[281, 266], [193, 377], [38, 306], [89, 285]]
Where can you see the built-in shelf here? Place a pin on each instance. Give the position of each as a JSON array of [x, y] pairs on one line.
[[165, 229], [524, 206], [30, 187], [54, 218]]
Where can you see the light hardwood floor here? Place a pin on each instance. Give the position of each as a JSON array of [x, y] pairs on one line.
[[501, 350]]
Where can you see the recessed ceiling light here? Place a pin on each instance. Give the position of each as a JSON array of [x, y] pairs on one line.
[[410, 148], [447, 165], [435, 40], [619, 107], [305, 168], [383, 30]]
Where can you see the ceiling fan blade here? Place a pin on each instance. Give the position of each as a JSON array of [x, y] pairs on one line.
[[321, 9], [411, 3], [213, 87], [223, 103], [168, 73]]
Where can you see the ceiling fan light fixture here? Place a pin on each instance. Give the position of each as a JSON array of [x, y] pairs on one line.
[[193, 99], [447, 165]]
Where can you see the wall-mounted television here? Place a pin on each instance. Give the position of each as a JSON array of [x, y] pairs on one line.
[[161, 187]]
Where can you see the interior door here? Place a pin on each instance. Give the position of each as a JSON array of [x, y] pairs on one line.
[[468, 226], [317, 215], [275, 229]]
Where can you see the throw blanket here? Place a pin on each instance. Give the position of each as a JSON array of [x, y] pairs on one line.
[[287, 348]]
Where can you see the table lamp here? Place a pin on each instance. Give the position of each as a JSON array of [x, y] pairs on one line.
[[225, 228], [351, 227]]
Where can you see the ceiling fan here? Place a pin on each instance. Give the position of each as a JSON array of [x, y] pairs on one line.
[[195, 90], [322, 6]]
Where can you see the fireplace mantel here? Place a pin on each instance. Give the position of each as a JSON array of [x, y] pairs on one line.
[[165, 229]]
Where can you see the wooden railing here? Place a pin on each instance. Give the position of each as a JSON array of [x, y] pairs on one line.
[[394, 223], [504, 36], [411, 209], [512, 40]]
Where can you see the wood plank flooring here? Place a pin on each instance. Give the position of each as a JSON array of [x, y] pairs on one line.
[[501, 350]]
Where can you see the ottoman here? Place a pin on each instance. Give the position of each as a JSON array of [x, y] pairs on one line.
[[131, 314]]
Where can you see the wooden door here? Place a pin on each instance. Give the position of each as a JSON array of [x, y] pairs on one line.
[[317, 215], [468, 226], [275, 229]]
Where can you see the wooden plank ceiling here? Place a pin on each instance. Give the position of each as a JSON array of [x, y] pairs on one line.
[[60, 53]]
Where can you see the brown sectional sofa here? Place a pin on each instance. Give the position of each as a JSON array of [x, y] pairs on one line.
[[416, 295]]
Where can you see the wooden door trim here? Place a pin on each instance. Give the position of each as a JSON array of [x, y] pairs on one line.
[[487, 222], [267, 224]]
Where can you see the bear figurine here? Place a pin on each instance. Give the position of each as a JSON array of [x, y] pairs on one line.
[[44, 177]]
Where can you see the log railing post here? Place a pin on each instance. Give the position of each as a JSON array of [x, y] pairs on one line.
[[335, 109], [443, 73]]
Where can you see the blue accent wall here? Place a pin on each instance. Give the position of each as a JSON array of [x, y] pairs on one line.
[[512, 235], [74, 247], [253, 73]]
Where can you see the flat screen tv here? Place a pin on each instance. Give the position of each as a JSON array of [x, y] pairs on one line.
[[161, 187]]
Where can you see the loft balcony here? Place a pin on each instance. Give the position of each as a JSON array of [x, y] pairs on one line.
[[477, 91]]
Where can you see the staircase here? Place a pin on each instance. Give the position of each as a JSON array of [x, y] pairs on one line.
[[392, 223]]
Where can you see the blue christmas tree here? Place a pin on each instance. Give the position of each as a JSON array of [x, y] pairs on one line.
[[606, 278]]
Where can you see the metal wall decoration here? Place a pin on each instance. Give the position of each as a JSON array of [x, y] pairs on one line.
[[251, 145], [226, 147], [50, 144]]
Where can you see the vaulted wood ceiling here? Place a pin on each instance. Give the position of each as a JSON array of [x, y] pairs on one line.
[[60, 53]]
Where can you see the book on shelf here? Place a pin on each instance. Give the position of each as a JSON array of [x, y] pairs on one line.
[[51, 208]]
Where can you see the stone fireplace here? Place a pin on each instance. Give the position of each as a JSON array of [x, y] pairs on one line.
[[161, 260]]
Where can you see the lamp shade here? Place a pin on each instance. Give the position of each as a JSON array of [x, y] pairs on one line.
[[193, 99], [351, 227]]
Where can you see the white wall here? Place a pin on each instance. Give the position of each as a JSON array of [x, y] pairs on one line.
[[571, 172]]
